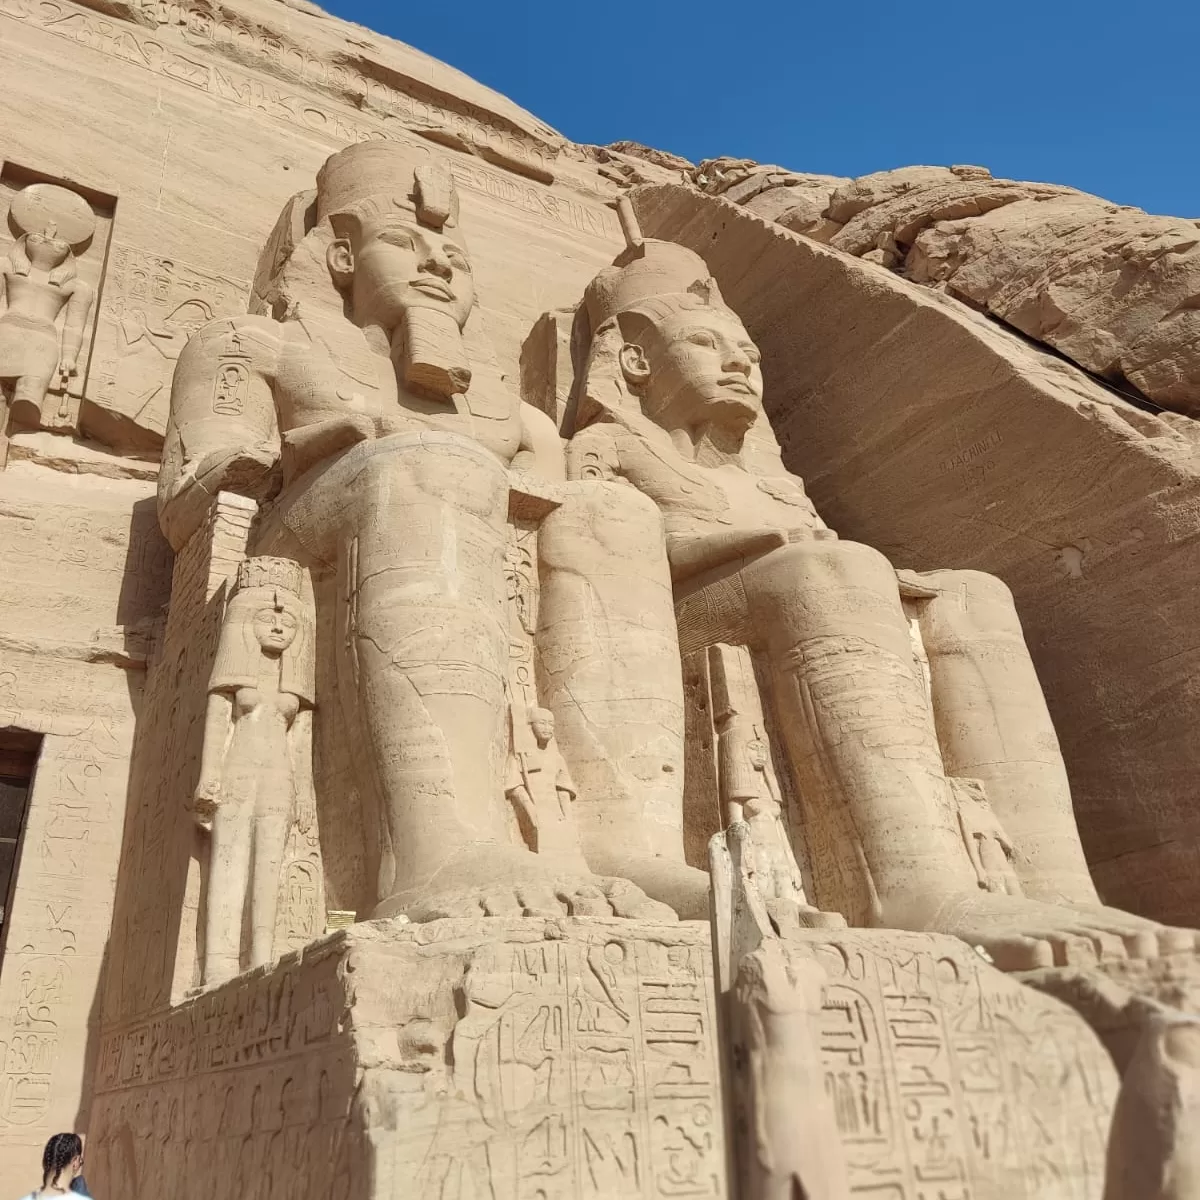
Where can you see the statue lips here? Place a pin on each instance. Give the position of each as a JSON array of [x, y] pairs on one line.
[[433, 287]]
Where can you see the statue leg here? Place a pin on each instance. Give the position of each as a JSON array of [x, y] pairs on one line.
[[864, 748], [993, 725], [608, 667], [857, 727], [415, 525], [270, 840], [228, 876]]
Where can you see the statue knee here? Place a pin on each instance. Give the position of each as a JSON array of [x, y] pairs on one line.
[[968, 602], [604, 520], [832, 564]]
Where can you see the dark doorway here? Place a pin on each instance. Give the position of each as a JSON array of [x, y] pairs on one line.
[[18, 757]]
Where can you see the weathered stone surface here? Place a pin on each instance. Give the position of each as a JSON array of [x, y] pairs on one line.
[[490, 606]]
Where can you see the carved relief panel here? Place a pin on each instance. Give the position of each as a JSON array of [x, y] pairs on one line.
[[151, 305], [53, 247]]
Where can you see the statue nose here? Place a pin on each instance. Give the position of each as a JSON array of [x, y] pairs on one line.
[[437, 264], [737, 362]]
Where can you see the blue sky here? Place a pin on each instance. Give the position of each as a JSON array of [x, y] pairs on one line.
[[1102, 95]]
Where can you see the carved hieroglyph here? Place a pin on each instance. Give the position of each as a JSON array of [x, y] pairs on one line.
[[897, 1064], [671, 403], [256, 766]]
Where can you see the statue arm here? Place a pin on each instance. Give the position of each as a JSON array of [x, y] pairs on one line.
[[694, 553], [220, 440], [541, 450], [79, 305], [218, 728]]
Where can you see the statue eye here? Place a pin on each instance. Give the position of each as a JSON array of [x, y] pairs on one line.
[[401, 240], [751, 352], [702, 337]]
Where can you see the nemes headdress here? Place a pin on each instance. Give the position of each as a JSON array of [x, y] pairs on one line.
[[648, 278], [383, 177]]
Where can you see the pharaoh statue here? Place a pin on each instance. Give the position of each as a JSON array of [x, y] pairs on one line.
[[670, 403], [255, 769], [384, 457], [40, 286]]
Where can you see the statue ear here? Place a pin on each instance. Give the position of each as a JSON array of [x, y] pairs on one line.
[[635, 366], [340, 259]]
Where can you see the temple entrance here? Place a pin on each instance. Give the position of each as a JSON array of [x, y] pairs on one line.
[[18, 758]]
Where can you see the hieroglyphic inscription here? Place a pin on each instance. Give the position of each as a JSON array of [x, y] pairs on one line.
[[588, 1064], [151, 306], [949, 1081]]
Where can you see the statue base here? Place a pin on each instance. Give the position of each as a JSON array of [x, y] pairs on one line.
[[522, 1059]]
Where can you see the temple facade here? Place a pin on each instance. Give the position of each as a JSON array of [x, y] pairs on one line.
[[541, 672]]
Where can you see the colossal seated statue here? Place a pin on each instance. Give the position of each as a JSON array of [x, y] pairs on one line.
[[671, 403], [380, 458]]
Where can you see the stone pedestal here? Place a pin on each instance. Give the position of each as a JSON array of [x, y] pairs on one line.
[[947, 1079], [520, 1059]]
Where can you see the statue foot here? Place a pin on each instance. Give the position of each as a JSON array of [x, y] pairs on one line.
[[506, 881], [682, 888], [1143, 938], [790, 916], [1017, 934]]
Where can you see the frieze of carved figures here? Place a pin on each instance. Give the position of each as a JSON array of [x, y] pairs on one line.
[[255, 785], [46, 303], [671, 402]]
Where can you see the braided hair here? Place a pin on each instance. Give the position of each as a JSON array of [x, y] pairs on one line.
[[61, 1150]]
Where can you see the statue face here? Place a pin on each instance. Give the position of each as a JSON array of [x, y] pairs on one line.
[[542, 724], [698, 364], [399, 265], [275, 629], [46, 252]]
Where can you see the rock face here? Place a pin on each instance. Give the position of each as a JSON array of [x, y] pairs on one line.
[[424, 535], [1112, 288]]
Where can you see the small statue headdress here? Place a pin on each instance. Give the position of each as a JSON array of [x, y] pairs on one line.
[[266, 582]]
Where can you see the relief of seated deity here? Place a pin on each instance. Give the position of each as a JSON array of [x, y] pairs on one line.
[[382, 457], [670, 404]]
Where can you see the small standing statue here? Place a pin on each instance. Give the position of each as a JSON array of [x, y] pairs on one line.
[[751, 793], [539, 785], [256, 769], [989, 847], [40, 281]]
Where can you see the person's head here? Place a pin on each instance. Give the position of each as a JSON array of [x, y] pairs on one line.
[[758, 754], [394, 213], [541, 721], [62, 1160]]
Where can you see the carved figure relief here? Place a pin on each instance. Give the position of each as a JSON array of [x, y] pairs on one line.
[[255, 773], [46, 303], [988, 846]]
